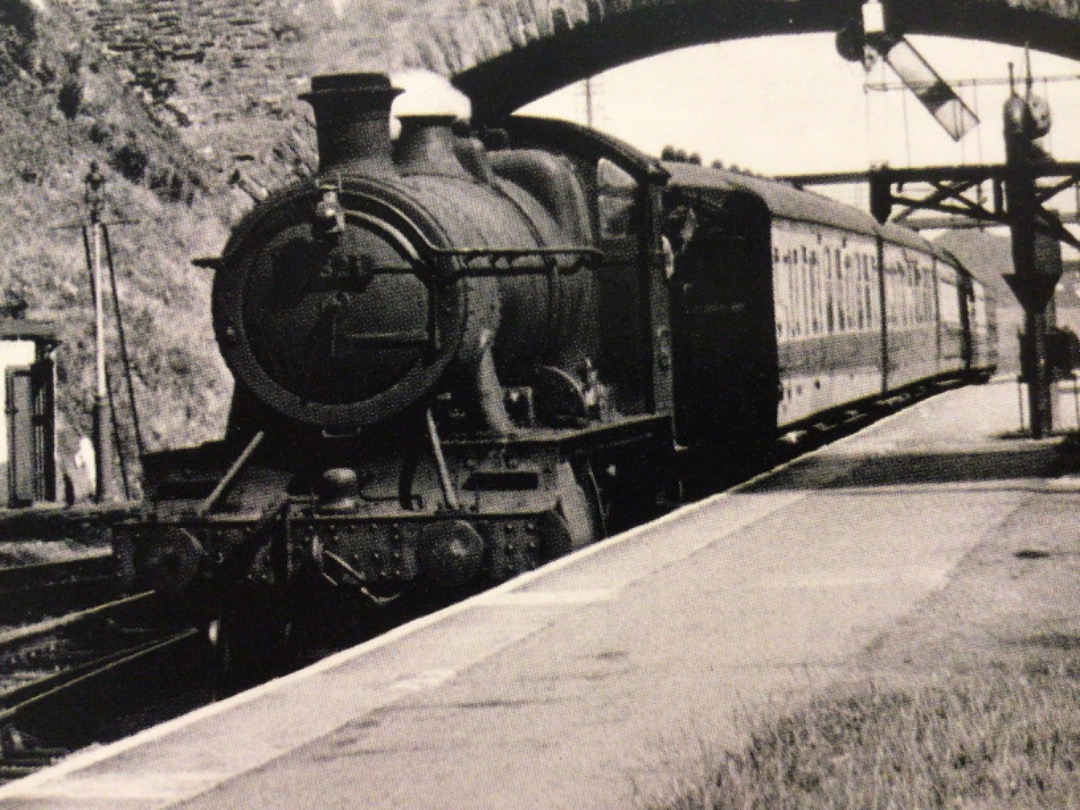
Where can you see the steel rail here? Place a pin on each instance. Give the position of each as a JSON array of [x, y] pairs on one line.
[[47, 574], [41, 688], [49, 625]]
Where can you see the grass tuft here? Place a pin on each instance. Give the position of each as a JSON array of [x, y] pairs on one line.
[[997, 740]]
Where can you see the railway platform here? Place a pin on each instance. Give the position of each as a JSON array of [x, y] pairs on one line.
[[601, 679]]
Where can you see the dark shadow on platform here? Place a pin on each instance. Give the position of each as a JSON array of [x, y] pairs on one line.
[[914, 469]]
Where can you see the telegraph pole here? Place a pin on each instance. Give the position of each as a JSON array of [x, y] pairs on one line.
[[95, 182], [1027, 119]]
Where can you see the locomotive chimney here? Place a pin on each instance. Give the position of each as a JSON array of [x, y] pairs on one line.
[[427, 145], [352, 121]]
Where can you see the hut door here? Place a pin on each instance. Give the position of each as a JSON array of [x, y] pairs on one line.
[[20, 413], [31, 466]]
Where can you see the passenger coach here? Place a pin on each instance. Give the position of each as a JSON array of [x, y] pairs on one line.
[[844, 330]]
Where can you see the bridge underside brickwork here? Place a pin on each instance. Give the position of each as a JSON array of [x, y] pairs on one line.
[[505, 53]]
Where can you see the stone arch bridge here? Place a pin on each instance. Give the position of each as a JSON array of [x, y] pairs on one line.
[[227, 72], [505, 53]]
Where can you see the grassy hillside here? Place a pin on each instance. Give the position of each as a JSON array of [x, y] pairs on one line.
[[191, 109], [61, 107]]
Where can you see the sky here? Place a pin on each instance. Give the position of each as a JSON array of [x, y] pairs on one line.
[[792, 105]]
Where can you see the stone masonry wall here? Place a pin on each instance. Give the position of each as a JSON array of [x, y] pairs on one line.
[[223, 72]]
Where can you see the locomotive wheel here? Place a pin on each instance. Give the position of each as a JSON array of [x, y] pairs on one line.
[[251, 631], [632, 487], [250, 639], [581, 511]]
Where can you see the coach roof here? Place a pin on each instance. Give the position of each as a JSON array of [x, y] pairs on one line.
[[787, 202]]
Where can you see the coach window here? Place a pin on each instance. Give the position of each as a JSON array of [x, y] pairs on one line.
[[915, 278], [901, 298], [836, 296], [860, 289], [931, 294], [849, 300], [789, 293], [892, 299], [913, 286], [868, 289], [902, 288], [872, 292], [841, 294], [927, 294], [829, 293], [837, 287], [820, 276], [827, 285], [920, 295], [860, 275], [791, 273], [802, 270], [865, 292], [899, 282], [920, 298], [781, 309], [896, 294], [782, 287], [855, 274], [847, 311], [909, 292], [793, 293]]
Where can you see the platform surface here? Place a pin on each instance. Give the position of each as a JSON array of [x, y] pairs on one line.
[[603, 678]]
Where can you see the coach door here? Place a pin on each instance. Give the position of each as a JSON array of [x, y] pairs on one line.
[[723, 324]]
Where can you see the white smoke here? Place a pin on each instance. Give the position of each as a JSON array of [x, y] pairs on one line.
[[426, 93]]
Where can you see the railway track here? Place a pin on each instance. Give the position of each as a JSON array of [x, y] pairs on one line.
[[67, 680], [30, 592]]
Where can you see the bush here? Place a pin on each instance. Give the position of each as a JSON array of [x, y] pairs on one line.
[[131, 161]]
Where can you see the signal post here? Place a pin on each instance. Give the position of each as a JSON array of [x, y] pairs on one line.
[[102, 463], [95, 234], [1026, 119]]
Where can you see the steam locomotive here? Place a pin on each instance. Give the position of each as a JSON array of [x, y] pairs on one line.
[[458, 356]]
